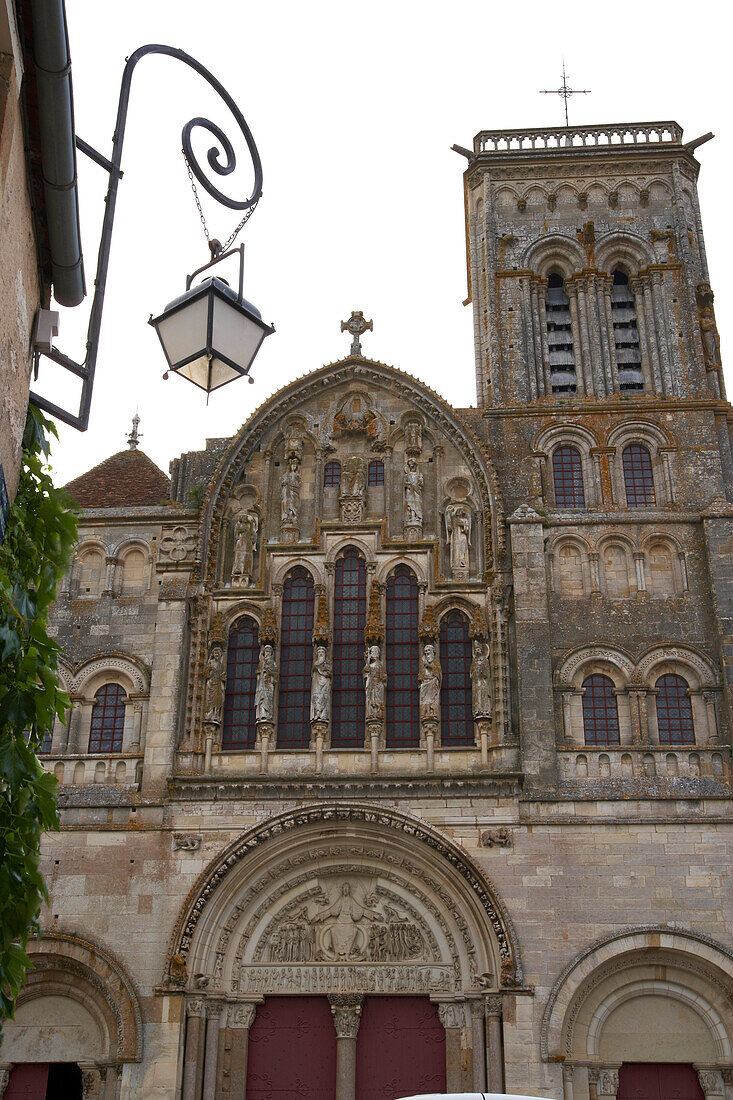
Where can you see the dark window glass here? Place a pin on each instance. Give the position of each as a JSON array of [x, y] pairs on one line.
[[456, 713], [600, 711], [296, 658], [674, 711], [239, 698], [332, 473], [560, 337], [349, 620], [402, 718], [625, 333], [108, 719], [638, 476], [567, 472], [376, 472], [46, 743]]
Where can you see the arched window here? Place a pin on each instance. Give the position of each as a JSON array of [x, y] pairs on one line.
[[349, 620], [133, 571], [625, 333], [402, 718], [296, 659], [560, 337], [108, 719], [239, 698], [331, 474], [91, 573], [567, 473], [570, 580], [376, 472], [674, 711], [456, 712], [46, 743], [600, 711], [638, 476]]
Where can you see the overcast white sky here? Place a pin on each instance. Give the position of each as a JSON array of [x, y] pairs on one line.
[[354, 108]]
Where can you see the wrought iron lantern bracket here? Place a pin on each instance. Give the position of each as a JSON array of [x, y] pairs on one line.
[[221, 167]]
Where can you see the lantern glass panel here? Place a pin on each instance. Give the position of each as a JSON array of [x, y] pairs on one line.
[[183, 332]]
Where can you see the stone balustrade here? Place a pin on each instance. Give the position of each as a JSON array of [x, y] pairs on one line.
[[80, 770], [642, 133], [644, 762]]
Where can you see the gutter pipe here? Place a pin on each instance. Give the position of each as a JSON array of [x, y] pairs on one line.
[[58, 149]]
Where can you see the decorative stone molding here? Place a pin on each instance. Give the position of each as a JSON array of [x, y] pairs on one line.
[[346, 1011], [711, 1082], [111, 663], [177, 545]]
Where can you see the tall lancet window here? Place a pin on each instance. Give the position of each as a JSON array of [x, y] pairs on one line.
[[403, 716], [560, 337], [349, 620], [625, 333], [239, 698], [456, 713], [296, 659]]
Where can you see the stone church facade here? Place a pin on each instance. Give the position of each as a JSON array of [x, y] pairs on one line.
[[399, 753]]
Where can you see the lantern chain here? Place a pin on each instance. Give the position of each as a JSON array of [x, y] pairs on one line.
[[214, 245]]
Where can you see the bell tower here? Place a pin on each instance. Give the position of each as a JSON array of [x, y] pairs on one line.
[[586, 266]]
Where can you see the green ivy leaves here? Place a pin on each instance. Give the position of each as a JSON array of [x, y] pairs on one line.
[[39, 539]]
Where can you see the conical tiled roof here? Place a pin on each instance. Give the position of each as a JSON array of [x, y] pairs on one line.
[[127, 479]]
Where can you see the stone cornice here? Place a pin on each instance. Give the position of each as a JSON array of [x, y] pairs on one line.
[[198, 788]]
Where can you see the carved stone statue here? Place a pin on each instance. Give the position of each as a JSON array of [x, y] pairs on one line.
[[413, 487], [481, 680], [413, 436], [708, 328], [353, 489], [375, 683], [341, 936], [290, 494], [458, 529], [321, 686], [246, 528], [265, 689], [214, 685], [430, 679]]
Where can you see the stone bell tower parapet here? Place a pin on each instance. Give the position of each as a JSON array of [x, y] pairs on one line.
[[586, 265]]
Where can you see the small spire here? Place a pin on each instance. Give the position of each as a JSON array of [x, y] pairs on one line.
[[134, 437]]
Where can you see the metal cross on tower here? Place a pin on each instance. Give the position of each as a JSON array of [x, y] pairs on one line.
[[565, 91], [357, 326]]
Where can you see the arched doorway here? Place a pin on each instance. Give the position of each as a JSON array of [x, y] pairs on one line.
[[646, 1013], [357, 934], [77, 1022]]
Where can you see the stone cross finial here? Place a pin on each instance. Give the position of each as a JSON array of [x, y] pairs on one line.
[[134, 437], [357, 326]]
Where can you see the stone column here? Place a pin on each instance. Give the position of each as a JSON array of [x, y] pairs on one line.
[[595, 577], [640, 577], [241, 1018], [637, 707], [709, 697], [193, 1063], [534, 363], [136, 722], [591, 368], [453, 1018], [112, 1076], [603, 286], [568, 1072], [494, 1044], [607, 1084], [478, 1030], [211, 1052], [109, 579], [80, 719], [636, 287], [265, 742], [581, 365], [346, 1010], [661, 327], [650, 326], [541, 288]]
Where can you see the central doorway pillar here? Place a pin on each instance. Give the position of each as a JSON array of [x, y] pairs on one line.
[[346, 1010], [494, 1044], [194, 1059], [241, 1018], [454, 1018]]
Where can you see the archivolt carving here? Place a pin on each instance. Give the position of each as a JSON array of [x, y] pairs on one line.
[[111, 662], [462, 892], [685, 656], [567, 669]]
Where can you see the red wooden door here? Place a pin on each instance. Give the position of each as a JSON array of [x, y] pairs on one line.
[[292, 1050], [28, 1082], [658, 1081], [400, 1049]]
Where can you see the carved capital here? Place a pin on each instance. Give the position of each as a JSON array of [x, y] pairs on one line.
[[346, 1011], [711, 1082], [453, 1014], [492, 1006], [91, 1082], [196, 1008], [607, 1082], [242, 1015]]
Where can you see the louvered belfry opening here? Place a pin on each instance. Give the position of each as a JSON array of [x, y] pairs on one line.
[[560, 337], [625, 334]]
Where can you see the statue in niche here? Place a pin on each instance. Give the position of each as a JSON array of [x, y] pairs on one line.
[[356, 417], [353, 477], [321, 686], [458, 529], [413, 436], [413, 487], [708, 328], [430, 680], [265, 689], [214, 685], [246, 528], [290, 494], [481, 680], [375, 683]]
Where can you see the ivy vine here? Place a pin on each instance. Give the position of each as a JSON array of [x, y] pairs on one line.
[[39, 538]]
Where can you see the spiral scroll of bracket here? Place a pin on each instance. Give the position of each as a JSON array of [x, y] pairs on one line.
[[214, 158]]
